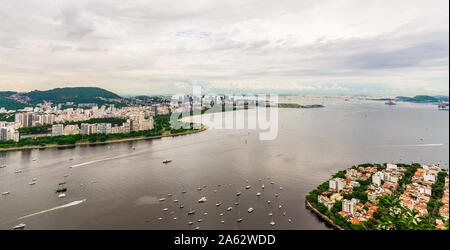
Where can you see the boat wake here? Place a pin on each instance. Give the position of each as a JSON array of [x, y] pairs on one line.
[[73, 203]]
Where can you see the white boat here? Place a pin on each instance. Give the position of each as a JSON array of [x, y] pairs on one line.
[[248, 187], [250, 210], [18, 171], [175, 218], [239, 193], [229, 208], [258, 194], [279, 206], [239, 220], [31, 183], [20, 226], [205, 214], [169, 195], [176, 200], [197, 228], [162, 199], [66, 175], [159, 218], [281, 188], [34, 179], [61, 195], [289, 220], [218, 203], [270, 214], [272, 223], [222, 222], [5, 193], [202, 200], [199, 220], [190, 223], [262, 186], [165, 209]]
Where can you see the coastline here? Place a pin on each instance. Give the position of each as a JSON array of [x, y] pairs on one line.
[[105, 142], [322, 216]]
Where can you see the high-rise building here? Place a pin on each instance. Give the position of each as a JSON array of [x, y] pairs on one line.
[[57, 130]]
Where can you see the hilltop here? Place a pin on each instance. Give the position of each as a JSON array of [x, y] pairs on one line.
[[58, 95]]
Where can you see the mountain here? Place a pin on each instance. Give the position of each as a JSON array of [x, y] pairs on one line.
[[420, 98], [10, 104], [76, 95]]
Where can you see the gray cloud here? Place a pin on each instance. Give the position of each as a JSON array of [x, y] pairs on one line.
[[159, 46]]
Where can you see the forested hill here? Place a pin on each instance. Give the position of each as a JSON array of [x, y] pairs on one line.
[[76, 95]]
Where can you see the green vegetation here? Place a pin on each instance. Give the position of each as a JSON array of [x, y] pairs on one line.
[[288, 105], [75, 95], [7, 117], [418, 98], [10, 104]]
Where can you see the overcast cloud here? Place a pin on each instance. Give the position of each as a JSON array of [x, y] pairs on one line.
[[166, 46]]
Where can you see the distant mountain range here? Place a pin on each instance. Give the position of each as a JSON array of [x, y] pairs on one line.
[[17, 100], [422, 98]]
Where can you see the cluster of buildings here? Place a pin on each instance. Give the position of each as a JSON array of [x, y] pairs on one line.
[[138, 119], [416, 195]]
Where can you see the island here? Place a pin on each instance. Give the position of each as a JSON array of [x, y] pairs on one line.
[[295, 105], [384, 197]]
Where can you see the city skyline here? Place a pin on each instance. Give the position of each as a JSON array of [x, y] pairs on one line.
[[297, 47]]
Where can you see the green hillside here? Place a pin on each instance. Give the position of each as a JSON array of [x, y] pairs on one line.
[[76, 95], [11, 104]]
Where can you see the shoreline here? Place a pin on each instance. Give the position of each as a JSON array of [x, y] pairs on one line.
[[322, 216], [105, 142]]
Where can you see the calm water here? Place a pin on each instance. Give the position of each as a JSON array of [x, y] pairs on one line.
[[122, 186]]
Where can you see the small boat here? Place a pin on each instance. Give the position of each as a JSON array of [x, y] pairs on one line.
[[221, 214], [33, 159], [250, 210], [34, 179], [20, 226], [284, 213], [176, 200], [31, 183], [239, 193], [61, 195], [222, 222], [259, 179], [236, 203], [5, 193], [62, 183], [162, 199], [248, 187], [270, 214], [272, 182], [204, 186], [181, 206], [199, 189], [190, 223], [199, 220], [159, 218], [272, 223], [191, 212], [197, 228], [279, 206], [183, 191], [239, 220], [289, 220], [202, 200], [218, 203], [229, 208], [215, 191], [276, 194], [258, 194], [165, 209], [281, 188], [170, 195], [175, 218], [262, 186], [205, 214], [167, 161], [18, 171], [269, 201], [66, 175], [61, 189]]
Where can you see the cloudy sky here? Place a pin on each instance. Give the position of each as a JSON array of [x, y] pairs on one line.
[[284, 46]]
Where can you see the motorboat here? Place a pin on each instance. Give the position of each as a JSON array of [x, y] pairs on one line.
[[167, 161], [272, 223], [5, 193], [222, 222], [270, 214], [236, 203], [202, 200], [199, 220], [190, 223], [191, 212], [262, 186], [170, 195], [181, 206], [183, 191], [248, 187], [165, 209], [61, 195], [239, 220], [66, 175], [289, 220], [269, 201], [162, 199], [279, 206], [18, 171], [258, 194], [20, 226], [176, 200], [229, 208], [199, 189], [239, 193], [250, 210], [31, 183], [218, 203]]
